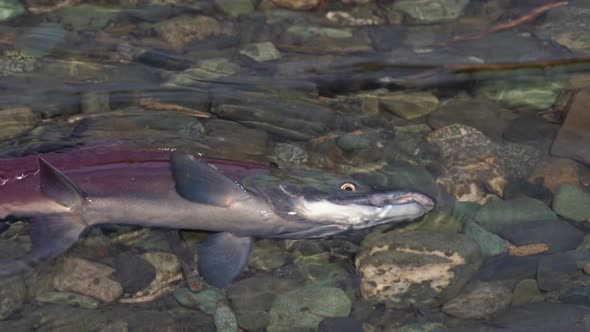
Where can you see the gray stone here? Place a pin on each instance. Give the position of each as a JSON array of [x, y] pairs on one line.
[[340, 324], [87, 17], [543, 317], [409, 105], [558, 235], [133, 272], [485, 116], [506, 267], [95, 102], [555, 271], [252, 299], [496, 215], [480, 301], [415, 268], [440, 222], [571, 202], [303, 309], [12, 296], [577, 295], [489, 243], [431, 11]]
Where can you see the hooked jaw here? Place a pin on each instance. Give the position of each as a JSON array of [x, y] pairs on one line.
[[367, 210]]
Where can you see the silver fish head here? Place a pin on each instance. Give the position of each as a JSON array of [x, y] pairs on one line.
[[321, 198]]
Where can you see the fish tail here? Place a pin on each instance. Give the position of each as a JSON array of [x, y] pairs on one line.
[[52, 234]]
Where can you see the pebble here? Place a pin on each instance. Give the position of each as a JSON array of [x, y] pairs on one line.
[[267, 256], [555, 172], [431, 11], [10, 9], [297, 4], [489, 243], [557, 235], [16, 121], [261, 52], [133, 273], [69, 298], [555, 271], [498, 214], [340, 324], [409, 106], [205, 300], [181, 30]]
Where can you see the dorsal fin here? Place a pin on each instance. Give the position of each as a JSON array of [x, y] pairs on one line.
[[198, 182], [58, 187]]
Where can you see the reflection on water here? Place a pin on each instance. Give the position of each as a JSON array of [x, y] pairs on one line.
[[481, 104]]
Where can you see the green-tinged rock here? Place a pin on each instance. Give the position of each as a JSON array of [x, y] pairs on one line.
[[421, 327], [267, 255], [440, 222], [319, 269], [16, 121], [12, 296], [206, 70], [530, 95], [303, 309], [497, 214], [409, 105], [309, 32], [354, 141], [571, 202], [465, 211], [225, 320], [235, 8], [489, 243], [431, 11], [87, 17], [526, 291], [252, 299], [69, 298], [10, 9], [415, 268], [204, 300], [261, 52]]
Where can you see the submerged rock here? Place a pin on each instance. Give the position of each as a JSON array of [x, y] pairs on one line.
[[558, 235], [539, 95], [555, 172], [480, 301], [526, 291], [489, 243], [12, 296], [573, 138], [408, 105], [252, 299], [225, 320], [555, 271], [261, 52], [133, 272], [415, 268], [16, 121], [69, 298], [340, 324], [568, 26], [205, 300], [181, 30], [497, 214], [431, 11], [303, 309], [572, 203], [87, 278], [10, 9]]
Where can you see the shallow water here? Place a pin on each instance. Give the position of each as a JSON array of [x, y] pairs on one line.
[[482, 105]]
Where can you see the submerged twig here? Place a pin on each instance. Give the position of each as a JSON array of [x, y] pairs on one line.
[[503, 26]]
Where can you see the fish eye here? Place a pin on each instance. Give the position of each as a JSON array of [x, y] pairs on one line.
[[348, 186]]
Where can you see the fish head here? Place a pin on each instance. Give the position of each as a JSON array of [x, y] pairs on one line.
[[321, 198]]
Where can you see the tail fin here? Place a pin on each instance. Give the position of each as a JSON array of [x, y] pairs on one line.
[[51, 234]]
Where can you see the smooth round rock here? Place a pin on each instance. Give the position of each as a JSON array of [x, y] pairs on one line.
[[481, 301], [340, 324]]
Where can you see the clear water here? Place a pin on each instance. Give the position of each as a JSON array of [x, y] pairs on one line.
[[480, 104]]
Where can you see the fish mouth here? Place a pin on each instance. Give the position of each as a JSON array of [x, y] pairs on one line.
[[391, 198]]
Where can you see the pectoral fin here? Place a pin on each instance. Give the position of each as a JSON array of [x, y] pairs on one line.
[[198, 182], [222, 256]]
